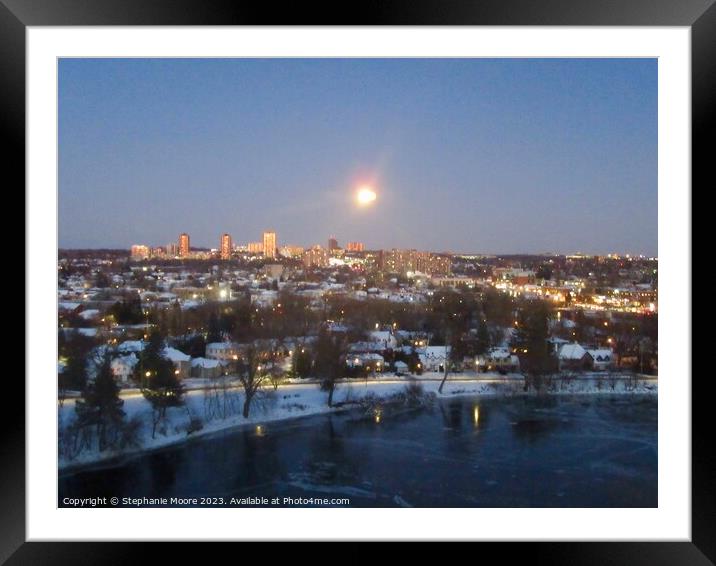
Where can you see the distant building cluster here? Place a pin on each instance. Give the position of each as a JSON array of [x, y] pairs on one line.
[[355, 247], [316, 257], [412, 261], [399, 261]]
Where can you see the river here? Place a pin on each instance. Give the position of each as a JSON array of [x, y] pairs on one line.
[[580, 451]]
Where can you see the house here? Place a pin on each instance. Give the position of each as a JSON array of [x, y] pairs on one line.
[[206, 368], [555, 344], [400, 367], [181, 361], [90, 314], [384, 337], [123, 367], [433, 358], [412, 338], [370, 362], [130, 346], [603, 359], [67, 306], [366, 347], [573, 356], [498, 359], [225, 351]]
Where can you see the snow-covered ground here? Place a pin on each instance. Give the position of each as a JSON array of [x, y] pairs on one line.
[[292, 400]]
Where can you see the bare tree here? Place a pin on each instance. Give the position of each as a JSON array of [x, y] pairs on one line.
[[252, 374], [330, 363], [454, 352]]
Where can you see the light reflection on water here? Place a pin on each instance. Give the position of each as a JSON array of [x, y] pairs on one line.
[[515, 452]]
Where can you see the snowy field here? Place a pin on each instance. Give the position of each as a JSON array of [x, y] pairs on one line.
[[219, 410]]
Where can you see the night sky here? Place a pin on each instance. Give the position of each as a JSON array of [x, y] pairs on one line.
[[466, 155]]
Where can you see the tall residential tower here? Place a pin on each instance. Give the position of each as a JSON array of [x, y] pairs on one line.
[[270, 244], [225, 246], [184, 248]]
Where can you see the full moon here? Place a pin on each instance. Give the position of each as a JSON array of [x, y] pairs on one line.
[[366, 195]]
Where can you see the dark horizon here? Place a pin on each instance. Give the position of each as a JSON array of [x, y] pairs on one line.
[[516, 154]]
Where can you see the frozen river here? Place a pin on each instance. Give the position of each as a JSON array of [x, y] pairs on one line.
[[584, 451]]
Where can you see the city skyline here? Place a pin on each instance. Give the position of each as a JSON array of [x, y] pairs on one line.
[[468, 156], [228, 245]]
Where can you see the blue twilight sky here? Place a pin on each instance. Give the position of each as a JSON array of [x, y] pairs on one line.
[[466, 155]]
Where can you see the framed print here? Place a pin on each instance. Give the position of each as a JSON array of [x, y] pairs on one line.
[[294, 278]]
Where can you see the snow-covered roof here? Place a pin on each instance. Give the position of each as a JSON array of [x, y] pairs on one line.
[[66, 306], [360, 359], [400, 365], [222, 346], [89, 313], [384, 335], [131, 346], [366, 347], [601, 354], [435, 350], [175, 355], [498, 353], [129, 360], [205, 363], [90, 332], [433, 353], [572, 351]]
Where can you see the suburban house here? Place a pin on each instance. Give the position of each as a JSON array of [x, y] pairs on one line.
[[206, 368], [367, 347], [433, 358], [226, 351], [181, 361], [385, 338], [129, 346], [602, 359], [574, 356], [123, 367], [498, 359], [369, 361], [401, 367]]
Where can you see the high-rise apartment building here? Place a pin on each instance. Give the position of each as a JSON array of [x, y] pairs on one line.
[[255, 247], [315, 257], [225, 246], [172, 249], [270, 244], [291, 251], [139, 252], [434, 264], [332, 243], [404, 261], [355, 247], [184, 247]]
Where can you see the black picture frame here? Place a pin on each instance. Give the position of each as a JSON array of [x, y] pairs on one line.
[[699, 15]]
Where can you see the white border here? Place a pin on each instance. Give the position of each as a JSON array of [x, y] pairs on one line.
[[671, 521]]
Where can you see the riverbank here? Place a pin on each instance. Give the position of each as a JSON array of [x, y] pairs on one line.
[[209, 411]]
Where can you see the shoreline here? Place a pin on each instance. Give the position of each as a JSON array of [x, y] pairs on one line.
[[315, 404]]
